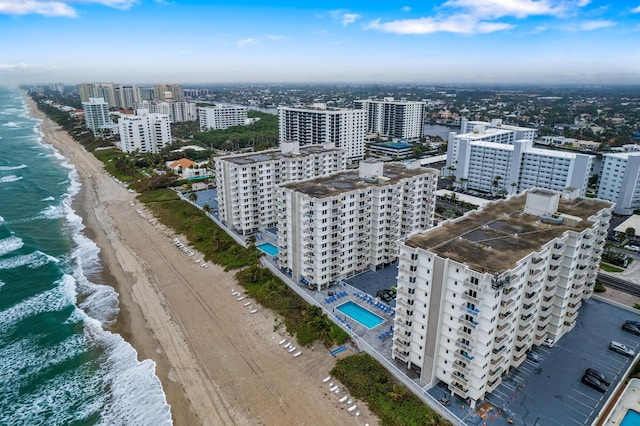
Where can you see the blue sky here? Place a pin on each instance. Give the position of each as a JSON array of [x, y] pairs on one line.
[[197, 41]]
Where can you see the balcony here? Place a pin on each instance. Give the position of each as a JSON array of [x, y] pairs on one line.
[[464, 346], [470, 310], [495, 373], [464, 334], [530, 295], [462, 356], [471, 285], [497, 361], [524, 328], [517, 359], [528, 308], [500, 339], [507, 291], [470, 298], [401, 343], [505, 317], [549, 290], [573, 307], [402, 356], [459, 379], [498, 351], [507, 303], [471, 324], [462, 368], [493, 384], [544, 320]]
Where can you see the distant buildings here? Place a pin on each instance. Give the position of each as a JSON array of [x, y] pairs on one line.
[[620, 181], [119, 96], [96, 115], [222, 116], [394, 119], [336, 226], [144, 133], [247, 182], [497, 158], [319, 125], [476, 293], [177, 111]]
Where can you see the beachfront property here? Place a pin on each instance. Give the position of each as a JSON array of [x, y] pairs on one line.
[[493, 160], [318, 124], [246, 182], [96, 115], [476, 293], [397, 119], [620, 181], [336, 226], [177, 111], [222, 116], [146, 132]]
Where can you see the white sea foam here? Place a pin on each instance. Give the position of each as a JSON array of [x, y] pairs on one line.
[[1, 219], [48, 199], [7, 168], [48, 301], [9, 244], [10, 178], [32, 260], [52, 212], [10, 124], [1, 284]]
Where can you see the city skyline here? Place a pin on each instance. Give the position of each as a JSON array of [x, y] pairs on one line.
[[445, 41]]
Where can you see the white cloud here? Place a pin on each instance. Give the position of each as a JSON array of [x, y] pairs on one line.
[[475, 16], [406, 8], [344, 16], [595, 25], [23, 67], [463, 24], [246, 42], [61, 8], [275, 37], [635, 9]]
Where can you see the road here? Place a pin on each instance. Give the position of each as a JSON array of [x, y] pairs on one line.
[[619, 284]]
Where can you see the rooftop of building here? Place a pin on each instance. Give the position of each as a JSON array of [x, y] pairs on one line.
[[277, 154], [485, 133], [496, 237], [350, 180], [623, 155]]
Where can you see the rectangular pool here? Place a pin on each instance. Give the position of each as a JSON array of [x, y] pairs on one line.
[[632, 418], [360, 314], [269, 248]]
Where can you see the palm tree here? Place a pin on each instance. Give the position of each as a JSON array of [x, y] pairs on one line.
[[207, 209], [398, 393], [193, 197], [496, 182], [513, 187]]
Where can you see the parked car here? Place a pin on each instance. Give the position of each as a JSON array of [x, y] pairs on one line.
[[549, 343], [534, 357], [621, 348], [598, 375], [594, 383], [632, 248], [631, 328]]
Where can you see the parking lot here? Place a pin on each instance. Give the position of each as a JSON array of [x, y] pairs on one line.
[[550, 392]]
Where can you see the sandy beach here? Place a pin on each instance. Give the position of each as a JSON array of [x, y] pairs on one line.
[[219, 364]]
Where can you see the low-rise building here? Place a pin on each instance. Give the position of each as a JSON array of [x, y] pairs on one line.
[[476, 293], [336, 226]]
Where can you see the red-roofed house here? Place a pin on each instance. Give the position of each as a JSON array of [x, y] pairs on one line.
[[186, 168]]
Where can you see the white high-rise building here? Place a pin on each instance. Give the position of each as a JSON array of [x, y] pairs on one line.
[[491, 160], [126, 96], [96, 114], [145, 133], [620, 181], [519, 133], [246, 182], [177, 111], [336, 226], [476, 293], [222, 116], [392, 118], [168, 92], [318, 125]]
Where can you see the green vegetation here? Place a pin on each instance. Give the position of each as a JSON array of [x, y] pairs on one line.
[[203, 234], [599, 288], [302, 320], [636, 305], [394, 404], [262, 134], [610, 268], [118, 164]]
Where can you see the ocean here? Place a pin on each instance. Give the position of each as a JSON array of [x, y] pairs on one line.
[[59, 363]]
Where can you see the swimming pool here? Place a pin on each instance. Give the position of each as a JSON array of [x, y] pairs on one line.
[[360, 314], [269, 248], [632, 418]]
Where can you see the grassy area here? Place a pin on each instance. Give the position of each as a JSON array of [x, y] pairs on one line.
[[302, 320], [203, 234], [610, 268], [394, 404], [108, 158]]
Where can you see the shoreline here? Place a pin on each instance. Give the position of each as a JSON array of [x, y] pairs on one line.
[[218, 364]]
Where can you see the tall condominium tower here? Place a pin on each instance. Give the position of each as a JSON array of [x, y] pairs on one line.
[[620, 181], [96, 114], [144, 133], [222, 116], [318, 125], [395, 119]]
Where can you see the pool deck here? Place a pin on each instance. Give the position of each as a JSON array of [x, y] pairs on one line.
[[629, 400]]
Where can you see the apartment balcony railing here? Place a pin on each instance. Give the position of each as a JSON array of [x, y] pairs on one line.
[[470, 298], [464, 346], [472, 324]]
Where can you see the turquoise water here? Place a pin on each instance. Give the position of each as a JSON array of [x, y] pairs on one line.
[[360, 314], [59, 364], [632, 418], [269, 248]]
